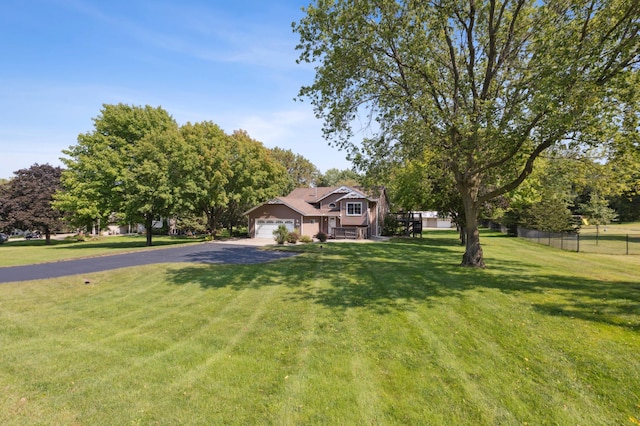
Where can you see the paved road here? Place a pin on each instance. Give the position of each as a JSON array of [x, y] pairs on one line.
[[196, 253]]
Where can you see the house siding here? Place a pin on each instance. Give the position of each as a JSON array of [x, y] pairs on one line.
[[333, 198], [361, 220], [311, 226]]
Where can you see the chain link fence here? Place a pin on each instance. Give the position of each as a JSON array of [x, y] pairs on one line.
[[603, 243]]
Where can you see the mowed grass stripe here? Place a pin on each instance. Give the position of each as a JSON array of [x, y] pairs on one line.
[[385, 333], [367, 387], [298, 381], [212, 353], [138, 344], [466, 351], [13, 252]]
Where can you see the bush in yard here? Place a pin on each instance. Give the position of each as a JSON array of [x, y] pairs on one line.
[[293, 237], [390, 226], [75, 238], [281, 234], [321, 236], [306, 239]]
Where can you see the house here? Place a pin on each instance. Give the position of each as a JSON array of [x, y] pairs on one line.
[[433, 219], [339, 211]]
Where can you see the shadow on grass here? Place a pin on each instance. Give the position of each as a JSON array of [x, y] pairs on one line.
[[38, 243], [127, 243], [115, 242], [397, 274]]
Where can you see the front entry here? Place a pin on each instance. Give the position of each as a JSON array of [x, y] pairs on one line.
[[332, 224]]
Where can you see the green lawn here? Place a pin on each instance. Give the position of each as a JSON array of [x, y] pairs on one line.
[[614, 228], [25, 252], [616, 238], [346, 333]]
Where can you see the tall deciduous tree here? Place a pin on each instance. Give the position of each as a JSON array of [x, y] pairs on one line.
[[25, 201], [211, 176], [597, 211], [419, 184], [485, 86], [301, 171], [255, 176], [336, 177], [134, 162], [231, 173]]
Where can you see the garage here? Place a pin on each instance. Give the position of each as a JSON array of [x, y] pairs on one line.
[[265, 227]]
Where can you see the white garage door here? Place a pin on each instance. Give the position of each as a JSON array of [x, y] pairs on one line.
[[265, 227]]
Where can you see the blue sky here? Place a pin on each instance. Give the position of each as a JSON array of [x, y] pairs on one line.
[[232, 63]]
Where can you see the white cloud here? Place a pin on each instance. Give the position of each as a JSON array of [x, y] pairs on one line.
[[206, 34], [299, 131]]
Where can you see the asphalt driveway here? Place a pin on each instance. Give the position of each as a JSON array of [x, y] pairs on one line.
[[195, 253]]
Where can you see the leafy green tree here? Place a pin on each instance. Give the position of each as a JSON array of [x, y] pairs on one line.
[[627, 205], [255, 177], [213, 172], [231, 174], [25, 201], [419, 184], [301, 171], [156, 183], [624, 161], [134, 162], [552, 214], [337, 177], [485, 86], [597, 211], [545, 199], [191, 222]]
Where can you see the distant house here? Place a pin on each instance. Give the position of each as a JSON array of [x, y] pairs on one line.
[[433, 219], [340, 212]]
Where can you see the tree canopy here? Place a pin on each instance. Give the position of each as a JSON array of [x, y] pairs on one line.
[[484, 87], [134, 162], [26, 200], [251, 176], [302, 172], [337, 177], [213, 170], [139, 164]]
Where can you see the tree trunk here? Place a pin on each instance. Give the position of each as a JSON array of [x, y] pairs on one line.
[[212, 221], [473, 255], [148, 224]]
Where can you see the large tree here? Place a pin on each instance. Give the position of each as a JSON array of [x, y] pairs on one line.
[[255, 177], [544, 200], [231, 173], [134, 163], [25, 201], [484, 86], [336, 177], [302, 172], [214, 169]]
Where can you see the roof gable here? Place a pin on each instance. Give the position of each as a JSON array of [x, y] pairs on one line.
[[353, 195], [347, 191]]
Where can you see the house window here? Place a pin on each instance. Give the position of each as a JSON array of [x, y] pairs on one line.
[[332, 205], [354, 209]]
